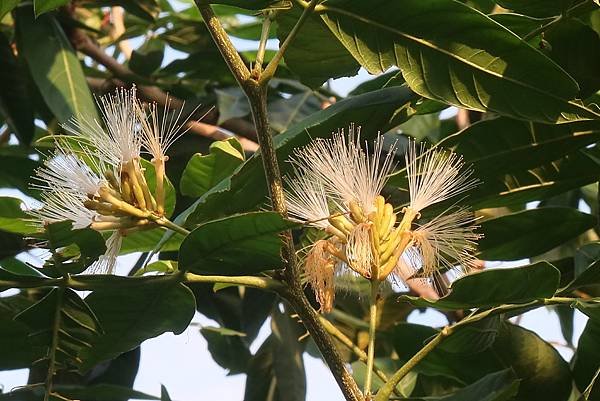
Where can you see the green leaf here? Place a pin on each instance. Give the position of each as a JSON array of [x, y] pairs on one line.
[[73, 250], [501, 145], [559, 176], [54, 66], [147, 58], [481, 66], [43, 6], [473, 338], [531, 232], [260, 378], [499, 386], [232, 103], [13, 218], [241, 244], [521, 25], [286, 112], [493, 287], [537, 8], [543, 372], [314, 55], [226, 348], [566, 317], [16, 171], [61, 313], [137, 314], [373, 111], [587, 267], [385, 80], [98, 392], [15, 104], [288, 365], [16, 267], [6, 6], [388, 366], [204, 172], [576, 47], [17, 350], [587, 358], [164, 394], [146, 241]]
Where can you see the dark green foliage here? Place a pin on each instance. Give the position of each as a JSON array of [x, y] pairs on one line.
[[524, 75]]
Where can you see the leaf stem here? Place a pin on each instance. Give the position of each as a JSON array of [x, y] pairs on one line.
[[262, 45], [53, 344], [164, 222], [372, 331], [90, 282], [567, 14], [362, 356], [269, 71], [221, 39], [384, 392]]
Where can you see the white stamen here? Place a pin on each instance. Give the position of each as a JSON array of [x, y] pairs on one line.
[[346, 171], [157, 136], [65, 172], [307, 201], [358, 250], [63, 205], [447, 241], [121, 142], [106, 263], [435, 175]]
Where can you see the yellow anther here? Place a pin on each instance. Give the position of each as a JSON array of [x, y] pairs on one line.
[[407, 219], [120, 205], [126, 192], [356, 212], [390, 264], [388, 211], [341, 223], [336, 232]]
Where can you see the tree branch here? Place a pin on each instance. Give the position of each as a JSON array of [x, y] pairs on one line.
[[270, 69], [228, 51], [256, 91], [90, 282]]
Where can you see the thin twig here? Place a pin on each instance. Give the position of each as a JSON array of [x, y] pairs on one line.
[[270, 69], [567, 14]]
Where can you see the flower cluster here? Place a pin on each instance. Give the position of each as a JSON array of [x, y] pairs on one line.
[[337, 188], [95, 177]]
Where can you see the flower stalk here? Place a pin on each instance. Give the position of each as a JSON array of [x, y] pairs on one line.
[[372, 330]]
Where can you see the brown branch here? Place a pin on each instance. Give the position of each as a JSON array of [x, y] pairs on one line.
[[256, 91], [118, 28], [123, 75], [86, 45]]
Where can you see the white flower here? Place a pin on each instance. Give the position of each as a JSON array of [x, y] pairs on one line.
[[307, 201], [346, 171], [121, 142], [447, 241], [157, 135], [65, 172], [107, 262], [435, 175], [63, 206], [337, 187]]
